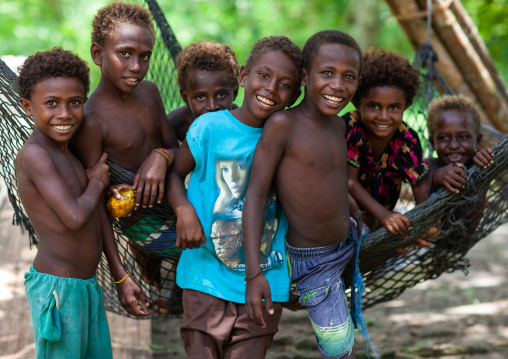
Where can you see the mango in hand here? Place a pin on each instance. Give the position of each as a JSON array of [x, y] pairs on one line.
[[121, 207]]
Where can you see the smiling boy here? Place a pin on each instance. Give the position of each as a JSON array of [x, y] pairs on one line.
[[303, 152]]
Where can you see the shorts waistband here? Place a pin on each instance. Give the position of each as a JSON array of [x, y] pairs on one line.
[[304, 253]]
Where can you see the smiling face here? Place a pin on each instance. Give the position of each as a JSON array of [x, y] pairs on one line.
[[269, 86], [208, 91], [332, 79], [381, 111], [56, 105], [125, 59], [235, 175], [454, 140]]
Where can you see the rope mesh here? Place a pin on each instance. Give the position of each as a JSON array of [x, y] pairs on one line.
[[462, 219]]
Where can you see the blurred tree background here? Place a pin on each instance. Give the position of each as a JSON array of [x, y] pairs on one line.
[[28, 26]]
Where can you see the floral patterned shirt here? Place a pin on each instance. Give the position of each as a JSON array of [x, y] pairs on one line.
[[401, 161]]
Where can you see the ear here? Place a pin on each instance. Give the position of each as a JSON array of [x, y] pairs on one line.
[[184, 97], [27, 106], [243, 75], [96, 52], [295, 96], [305, 76]]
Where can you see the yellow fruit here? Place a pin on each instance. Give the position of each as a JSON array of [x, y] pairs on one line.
[[121, 207]]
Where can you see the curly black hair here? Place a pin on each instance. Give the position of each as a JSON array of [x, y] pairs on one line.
[[313, 43], [459, 103], [52, 63], [276, 43], [109, 17], [384, 68], [207, 56]]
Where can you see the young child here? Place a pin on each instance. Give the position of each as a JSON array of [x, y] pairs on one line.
[[454, 132], [62, 202], [383, 150], [303, 152], [208, 81], [218, 149], [125, 118]]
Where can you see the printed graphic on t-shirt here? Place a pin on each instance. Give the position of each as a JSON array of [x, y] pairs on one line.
[[232, 178]]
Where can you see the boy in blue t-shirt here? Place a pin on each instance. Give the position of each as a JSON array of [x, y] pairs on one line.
[[218, 149]]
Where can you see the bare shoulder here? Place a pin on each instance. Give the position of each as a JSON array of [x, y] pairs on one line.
[[32, 157], [179, 115], [281, 120], [149, 87]]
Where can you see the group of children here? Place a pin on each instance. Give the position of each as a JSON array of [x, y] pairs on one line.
[[271, 191]]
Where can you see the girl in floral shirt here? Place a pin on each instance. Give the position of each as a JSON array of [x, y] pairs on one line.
[[383, 151]]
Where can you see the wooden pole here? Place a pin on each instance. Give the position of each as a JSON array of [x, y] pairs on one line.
[[459, 63]]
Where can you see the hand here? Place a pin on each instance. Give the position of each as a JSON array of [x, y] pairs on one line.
[[189, 231], [149, 179], [100, 171], [256, 290], [114, 190], [432, 233], [128, 292], [452, 177], [395, 222], [483, 158]]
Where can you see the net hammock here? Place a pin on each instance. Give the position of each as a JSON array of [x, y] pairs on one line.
[[462, 219]]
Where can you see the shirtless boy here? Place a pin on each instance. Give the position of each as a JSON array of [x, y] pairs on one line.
[[208, 81], [62, 202], [303, 151], [125, 116]]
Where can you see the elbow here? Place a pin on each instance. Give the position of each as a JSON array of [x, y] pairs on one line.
[[75, 222]]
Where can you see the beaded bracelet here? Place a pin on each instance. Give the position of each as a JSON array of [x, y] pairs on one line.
[[167, 154], [124, 278], [253, 276]]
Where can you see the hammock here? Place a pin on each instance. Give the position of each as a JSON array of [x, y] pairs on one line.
[[463, 219]]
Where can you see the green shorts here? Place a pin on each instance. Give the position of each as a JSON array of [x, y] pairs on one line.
[[68, 317]]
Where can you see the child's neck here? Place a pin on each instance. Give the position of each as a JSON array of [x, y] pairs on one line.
[[311, 111], [49, 142], [245, 116]]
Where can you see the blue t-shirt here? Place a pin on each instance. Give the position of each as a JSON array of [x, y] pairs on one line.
[[223, 148]]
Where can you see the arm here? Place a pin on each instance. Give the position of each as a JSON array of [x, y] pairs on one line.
[[88, 142], [128, 289], [189, 231], [394, 222], [420, 190], [73, 211], [151, 175], [268, 153]]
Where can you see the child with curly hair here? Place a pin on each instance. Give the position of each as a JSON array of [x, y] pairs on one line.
[[63, 203], [218, 149], [383, 150], [125, 118], [454, 133], [208, 81]]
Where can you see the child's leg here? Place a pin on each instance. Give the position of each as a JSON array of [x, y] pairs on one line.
[[249, 340]]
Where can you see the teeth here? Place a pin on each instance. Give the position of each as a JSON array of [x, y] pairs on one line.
[[383, 126], [332, 99], [62, 127], [132, 79], [265, 100]]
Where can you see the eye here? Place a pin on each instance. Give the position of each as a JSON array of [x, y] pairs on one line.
[[263, 75], [75, 102], [374, 107], [443, 138], [222, 95], [284, 84], [350, 77], [51, 103], [145, 57], [464, 137], [124, 54], [394, 108], [326, 73], [200, 97], [225, 170]]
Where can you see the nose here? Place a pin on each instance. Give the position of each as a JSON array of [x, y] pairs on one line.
[[134, 65], [337, 83], [212, 105], [64, 112], [271, 86], [383, 114], [453, 143]]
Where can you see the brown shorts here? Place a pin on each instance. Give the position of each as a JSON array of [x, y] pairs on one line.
[[214, 328]]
